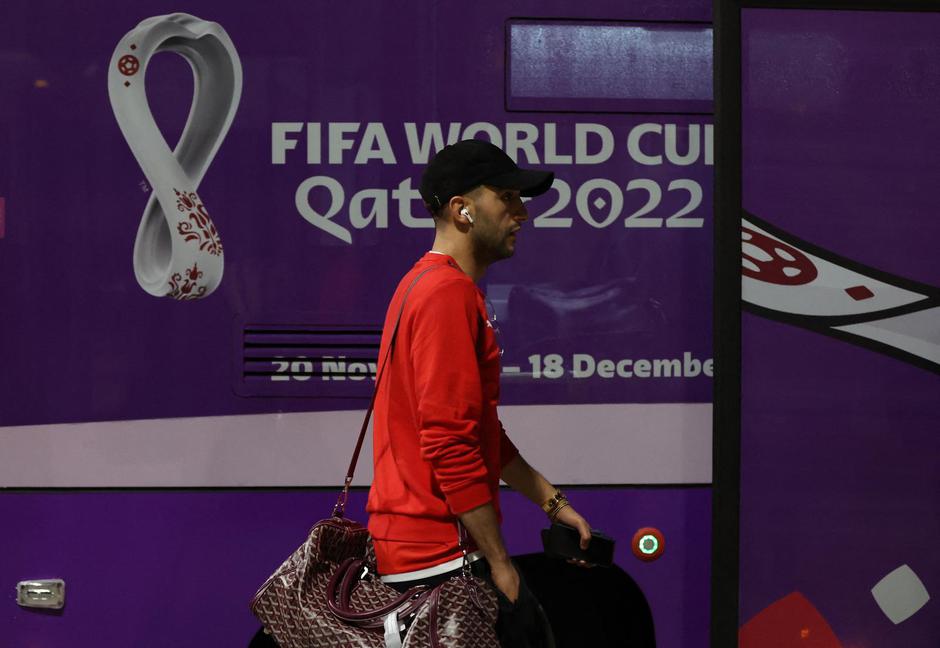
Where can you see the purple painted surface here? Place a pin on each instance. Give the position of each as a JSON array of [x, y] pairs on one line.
[[74, 351], [840, 142], [162, 568], [839, 448]]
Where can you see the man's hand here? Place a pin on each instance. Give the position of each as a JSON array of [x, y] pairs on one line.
[[572, 518], [506, 579], [483, 526]]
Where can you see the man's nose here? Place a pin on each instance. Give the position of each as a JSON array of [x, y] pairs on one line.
[[521, 213]]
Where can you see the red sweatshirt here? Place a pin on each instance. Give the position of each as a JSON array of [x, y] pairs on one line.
[[439, 447]]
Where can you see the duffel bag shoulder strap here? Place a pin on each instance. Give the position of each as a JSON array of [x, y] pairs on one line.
[[340, 508]]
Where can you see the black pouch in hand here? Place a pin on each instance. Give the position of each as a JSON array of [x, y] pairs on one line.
[[565, 542]]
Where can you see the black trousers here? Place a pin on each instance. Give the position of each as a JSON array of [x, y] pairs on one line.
[[522, 624]]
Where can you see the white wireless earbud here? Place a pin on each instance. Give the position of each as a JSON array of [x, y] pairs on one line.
[[466, 214]]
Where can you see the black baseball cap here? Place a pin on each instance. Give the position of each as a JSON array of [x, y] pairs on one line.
[[458, 168]]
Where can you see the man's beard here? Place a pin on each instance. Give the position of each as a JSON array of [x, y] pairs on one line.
[[490, 248]]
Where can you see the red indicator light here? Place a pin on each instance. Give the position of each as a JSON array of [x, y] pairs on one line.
[[648, 544]]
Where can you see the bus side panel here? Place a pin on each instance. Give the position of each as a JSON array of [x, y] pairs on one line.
[[158, 568]]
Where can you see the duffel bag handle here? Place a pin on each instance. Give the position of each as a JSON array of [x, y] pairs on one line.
[[339, 595]]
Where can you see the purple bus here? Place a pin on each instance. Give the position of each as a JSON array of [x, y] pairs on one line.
[[204, 210]]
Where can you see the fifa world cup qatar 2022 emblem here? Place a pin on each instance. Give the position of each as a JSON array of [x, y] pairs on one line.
[[178, 251]]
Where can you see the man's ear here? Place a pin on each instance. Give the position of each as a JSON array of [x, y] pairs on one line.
[[460, 210]]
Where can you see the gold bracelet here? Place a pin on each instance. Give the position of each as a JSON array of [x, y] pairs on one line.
[[553, 501], [553, 516]]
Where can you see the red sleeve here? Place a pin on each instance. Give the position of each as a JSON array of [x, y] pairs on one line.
[[507, 449], [449, 392]]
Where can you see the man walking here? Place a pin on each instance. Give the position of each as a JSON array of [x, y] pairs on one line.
[[439, 447]]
